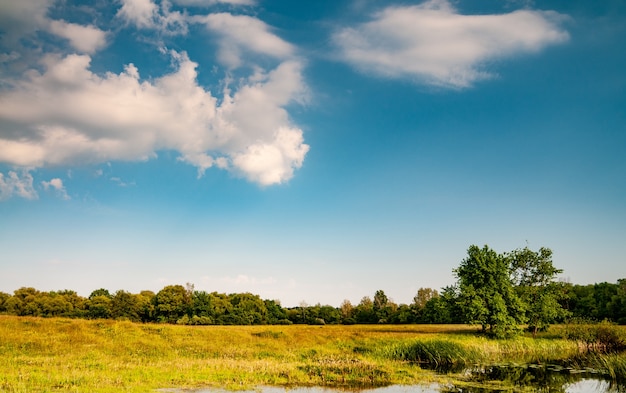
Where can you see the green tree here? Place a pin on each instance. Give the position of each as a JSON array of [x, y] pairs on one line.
[[78, 308], [603, 294], [403, 314], [533, 274], [433, 312], [423, 296], [125, 305], [248, 309], [145, 306], [617, 306], [220, 308], [275, 313], [381, 306], [101, 292], [330, 314], [486, 293], [580, 301], [420, 300], [99, 307], [201, 304], [171, 303], [364, 311], [347, 312], [3, 300], [25, 301], [55, 305]]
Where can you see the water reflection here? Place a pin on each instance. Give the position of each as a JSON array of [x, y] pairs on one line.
[[582, 385], [539, 378]]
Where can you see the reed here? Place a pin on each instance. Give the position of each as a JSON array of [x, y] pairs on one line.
[[438, 353]]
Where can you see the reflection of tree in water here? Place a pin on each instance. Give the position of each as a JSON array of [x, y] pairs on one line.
[[544, 379]]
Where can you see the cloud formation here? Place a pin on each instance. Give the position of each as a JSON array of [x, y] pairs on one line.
[[146, 14], [61, 113], [244, 33], [19, 19], [14, 184], [56, 185], [208, 3], [433, 44], [86, 39], [68, 115]]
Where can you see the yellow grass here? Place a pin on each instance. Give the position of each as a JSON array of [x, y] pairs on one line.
[[46, 355]]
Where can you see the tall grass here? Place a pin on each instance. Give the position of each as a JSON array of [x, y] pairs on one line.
[[48, 355], [613, 364], [457, 352], [435, 352]]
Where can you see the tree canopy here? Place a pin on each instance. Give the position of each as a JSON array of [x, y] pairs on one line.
[[501, 292]]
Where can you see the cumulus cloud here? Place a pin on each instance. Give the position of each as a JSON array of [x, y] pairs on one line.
[[56, 185], [67, 115], [433, 44], [60, 113], [14, 184], [87, 39], [241, 33], [146, 14], [21, 20], [207, 3]]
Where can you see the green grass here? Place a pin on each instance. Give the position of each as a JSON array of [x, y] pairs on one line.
[[47, 355]]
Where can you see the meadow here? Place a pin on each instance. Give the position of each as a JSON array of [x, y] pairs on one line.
[[55, 354]]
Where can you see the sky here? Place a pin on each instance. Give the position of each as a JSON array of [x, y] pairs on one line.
[[307, 151]]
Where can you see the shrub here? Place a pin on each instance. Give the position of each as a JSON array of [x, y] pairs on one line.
[[602, 337]]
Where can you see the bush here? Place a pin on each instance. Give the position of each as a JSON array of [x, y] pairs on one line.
[[602, 337]]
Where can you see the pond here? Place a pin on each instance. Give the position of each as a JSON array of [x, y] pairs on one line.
[[545, 378], [585, 385]]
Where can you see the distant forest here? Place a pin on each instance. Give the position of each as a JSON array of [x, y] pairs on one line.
[[497, 291], [185, 305]]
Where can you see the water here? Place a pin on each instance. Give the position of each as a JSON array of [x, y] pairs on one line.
[[543, 379], [584, 385]]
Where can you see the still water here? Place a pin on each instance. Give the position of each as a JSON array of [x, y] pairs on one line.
[[543, 379], [585, 385]]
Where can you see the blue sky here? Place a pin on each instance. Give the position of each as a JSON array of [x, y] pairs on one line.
[[307, 151]]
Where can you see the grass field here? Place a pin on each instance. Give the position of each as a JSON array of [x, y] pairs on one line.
[[46, 355]]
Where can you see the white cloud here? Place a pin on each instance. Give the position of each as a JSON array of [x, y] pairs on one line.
[[244, 33], [141, 13], [87, 39], [18, 18], [22, 19], [207, 3], [146, 14], [433, 44], [121, 182], [68, 115], [18, 185], [56, 184]]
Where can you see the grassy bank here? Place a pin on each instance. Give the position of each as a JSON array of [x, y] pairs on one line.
[[107, 356]]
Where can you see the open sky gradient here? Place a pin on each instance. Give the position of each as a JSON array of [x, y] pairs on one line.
[[307, 151]]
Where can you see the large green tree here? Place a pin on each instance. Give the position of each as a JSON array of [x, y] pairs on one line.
[[486, 293], [533, 275]]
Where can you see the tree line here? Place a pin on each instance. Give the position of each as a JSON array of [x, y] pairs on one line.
[[499, 292]]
